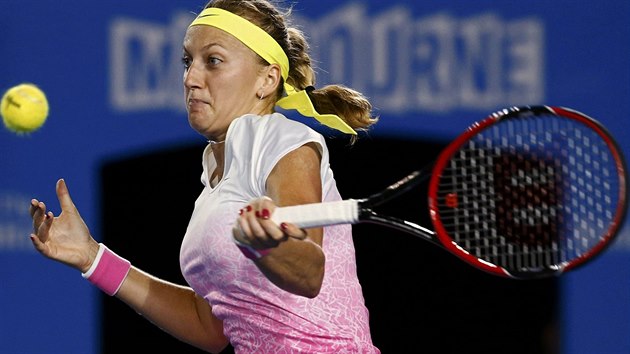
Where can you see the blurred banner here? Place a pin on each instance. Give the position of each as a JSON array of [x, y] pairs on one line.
[[112, 73]]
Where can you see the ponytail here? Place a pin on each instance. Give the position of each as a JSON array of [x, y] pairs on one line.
[[350, 105]]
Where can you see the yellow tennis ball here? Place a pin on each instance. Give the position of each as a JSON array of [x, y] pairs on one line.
[[24, 108]]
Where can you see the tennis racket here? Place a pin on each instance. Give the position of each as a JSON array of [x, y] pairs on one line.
[[528, 192]]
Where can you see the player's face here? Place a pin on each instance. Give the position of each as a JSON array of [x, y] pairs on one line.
[[221, 80]]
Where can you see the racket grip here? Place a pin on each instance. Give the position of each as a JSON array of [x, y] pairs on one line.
[[318, 214]]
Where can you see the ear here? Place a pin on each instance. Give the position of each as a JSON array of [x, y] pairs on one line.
[[271, 77]]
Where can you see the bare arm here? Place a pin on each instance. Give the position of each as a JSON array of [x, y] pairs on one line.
[[174, 308], [296, 263]]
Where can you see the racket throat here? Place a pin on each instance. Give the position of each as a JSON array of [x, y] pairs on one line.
[[369, 216]]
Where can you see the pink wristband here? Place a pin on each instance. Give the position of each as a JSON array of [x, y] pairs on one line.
[[249, 251], [108, 270]]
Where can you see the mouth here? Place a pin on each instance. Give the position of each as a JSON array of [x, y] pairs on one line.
[[196, 102]]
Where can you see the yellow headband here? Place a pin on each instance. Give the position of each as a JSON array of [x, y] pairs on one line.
[[264, 45]]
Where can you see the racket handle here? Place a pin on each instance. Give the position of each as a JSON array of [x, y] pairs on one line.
[[318, 214]]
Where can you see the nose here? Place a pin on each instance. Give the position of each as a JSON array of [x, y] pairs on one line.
[[192, 77]]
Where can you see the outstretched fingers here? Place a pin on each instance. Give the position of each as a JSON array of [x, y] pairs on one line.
[[38, 244], [37, 210], [63, 194], [42, 220]]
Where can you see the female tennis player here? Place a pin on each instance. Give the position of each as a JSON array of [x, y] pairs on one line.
[[259, 286]]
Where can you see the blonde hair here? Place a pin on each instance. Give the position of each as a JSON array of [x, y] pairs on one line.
[[350, 105]]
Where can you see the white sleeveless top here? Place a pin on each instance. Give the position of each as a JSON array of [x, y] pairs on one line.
[[259, 317]]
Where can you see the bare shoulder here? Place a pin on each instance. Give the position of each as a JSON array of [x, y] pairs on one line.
[[296, 179]]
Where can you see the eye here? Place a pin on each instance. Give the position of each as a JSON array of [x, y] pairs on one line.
[[214, 61], [186, 62]]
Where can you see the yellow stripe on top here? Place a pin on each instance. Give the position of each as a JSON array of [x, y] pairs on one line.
[[251, 35]]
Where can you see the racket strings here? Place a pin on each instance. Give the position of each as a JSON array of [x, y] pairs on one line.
[[530, 193]]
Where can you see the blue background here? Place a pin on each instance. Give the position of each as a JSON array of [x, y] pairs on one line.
[[112, 75]]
